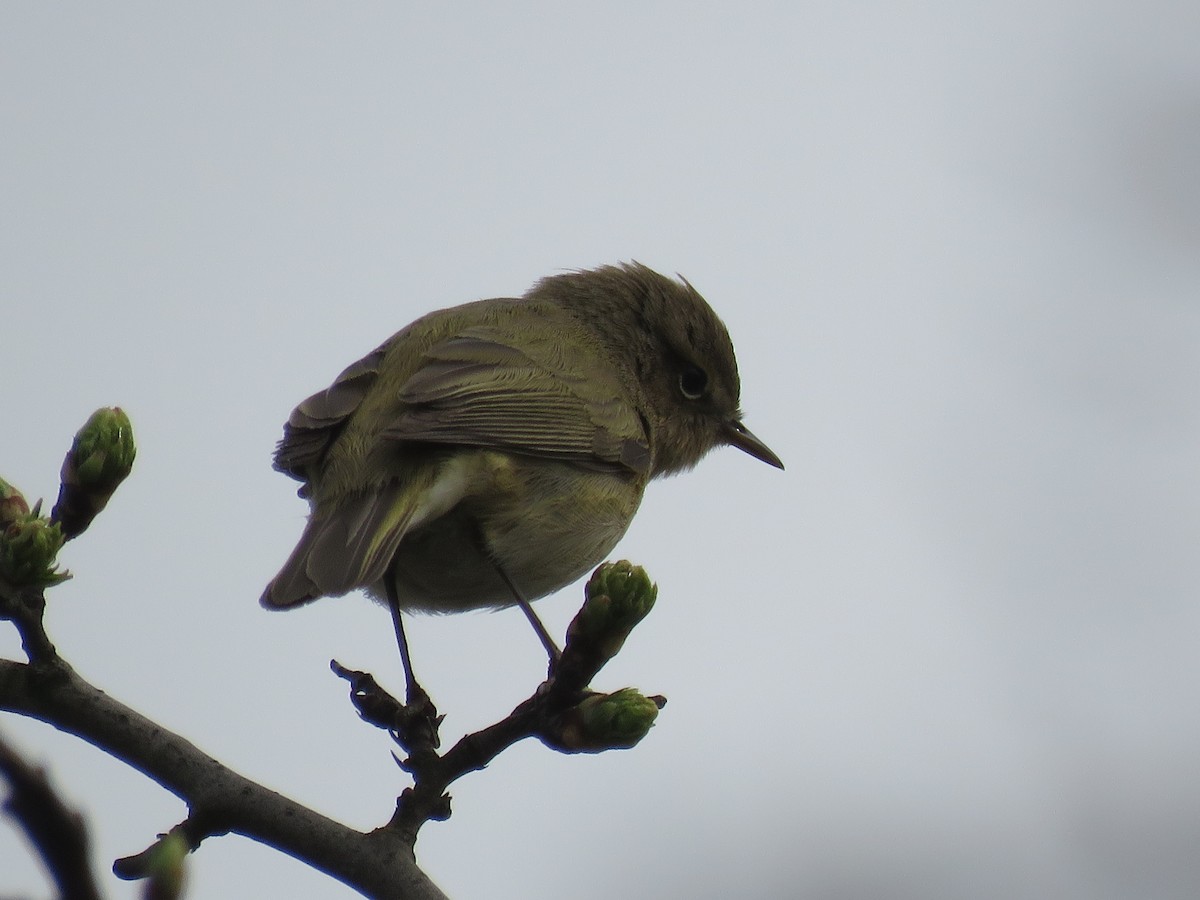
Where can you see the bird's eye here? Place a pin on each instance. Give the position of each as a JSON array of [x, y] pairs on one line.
[[692, 382]]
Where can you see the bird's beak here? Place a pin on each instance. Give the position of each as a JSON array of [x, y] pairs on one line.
[[738, 435]]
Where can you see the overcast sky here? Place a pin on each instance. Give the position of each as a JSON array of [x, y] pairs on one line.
[[951, 652]]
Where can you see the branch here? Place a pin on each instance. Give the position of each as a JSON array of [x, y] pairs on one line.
[[563, 713], [55, 830], [220, 800]]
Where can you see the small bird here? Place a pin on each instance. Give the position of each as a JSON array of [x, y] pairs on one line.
[[491, 453]]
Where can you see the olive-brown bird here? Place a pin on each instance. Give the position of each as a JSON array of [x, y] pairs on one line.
[[491, 453]]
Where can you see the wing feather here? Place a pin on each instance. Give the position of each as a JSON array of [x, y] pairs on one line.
[[317, 421], [480, 389]]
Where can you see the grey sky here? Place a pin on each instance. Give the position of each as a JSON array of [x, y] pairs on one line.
[[950, 652]]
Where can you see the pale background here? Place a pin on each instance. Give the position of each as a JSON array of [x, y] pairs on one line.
[[951, 652]]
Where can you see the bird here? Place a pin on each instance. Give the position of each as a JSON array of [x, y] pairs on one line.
[[491, 453]]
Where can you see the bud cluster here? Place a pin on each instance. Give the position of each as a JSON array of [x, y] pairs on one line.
[[619, 595], [99, 460], [600, 722], [29, 543]]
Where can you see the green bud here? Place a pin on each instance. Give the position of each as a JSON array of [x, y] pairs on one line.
[[28, 548], [12, 504], [99, 460], [166, 868], [601, 722], [619, 595]]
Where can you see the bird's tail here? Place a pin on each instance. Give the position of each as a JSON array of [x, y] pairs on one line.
[[347, 548]]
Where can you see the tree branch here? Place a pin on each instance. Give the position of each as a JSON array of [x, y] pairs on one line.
[[563, 713], [55, 830], [377, 864]]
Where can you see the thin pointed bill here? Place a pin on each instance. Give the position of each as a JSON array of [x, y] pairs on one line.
[[738, 435]]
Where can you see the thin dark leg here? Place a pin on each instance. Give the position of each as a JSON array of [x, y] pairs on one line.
[[416, 723], [543, 635], [412, 689]]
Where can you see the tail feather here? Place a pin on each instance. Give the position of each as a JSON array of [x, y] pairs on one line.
[[293, 586], [342, 550]]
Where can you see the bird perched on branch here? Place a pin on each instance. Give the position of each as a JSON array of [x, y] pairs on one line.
[[491, 453]]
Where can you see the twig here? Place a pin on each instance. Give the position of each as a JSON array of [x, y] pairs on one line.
[[24, 606], [55, 830], [557, 712]]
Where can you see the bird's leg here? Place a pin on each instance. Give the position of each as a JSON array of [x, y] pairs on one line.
[[415, 726], [413, 691], [543, 635]]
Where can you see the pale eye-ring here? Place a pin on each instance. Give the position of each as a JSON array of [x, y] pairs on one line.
[[693, 382]]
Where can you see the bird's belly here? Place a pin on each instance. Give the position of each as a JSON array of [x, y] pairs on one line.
[[553, 525]]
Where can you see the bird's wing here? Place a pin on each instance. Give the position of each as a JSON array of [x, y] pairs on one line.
[[494, 386], [316, 422]]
